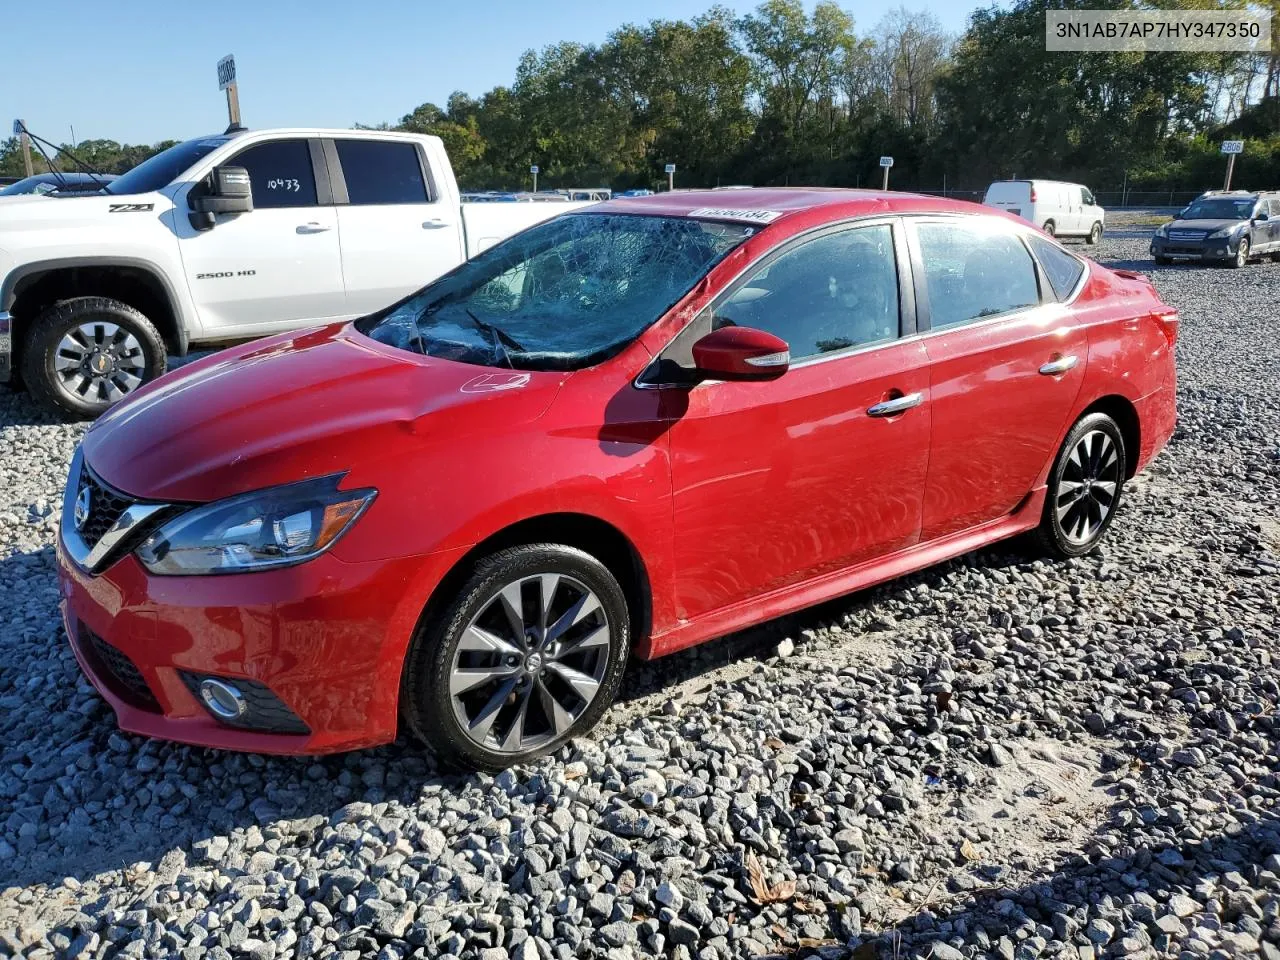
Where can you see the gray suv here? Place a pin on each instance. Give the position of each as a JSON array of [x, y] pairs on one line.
[[1229, 228]]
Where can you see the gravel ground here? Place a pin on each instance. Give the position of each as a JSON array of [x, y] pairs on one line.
[[999, 757]]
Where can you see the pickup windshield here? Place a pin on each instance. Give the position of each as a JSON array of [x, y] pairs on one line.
[[562, 295], [1220, 209], [164, 167]]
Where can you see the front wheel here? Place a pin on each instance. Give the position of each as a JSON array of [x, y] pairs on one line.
[[1084, 487], [529, 654], [1242, 254], [85, 354], [1095, 235]]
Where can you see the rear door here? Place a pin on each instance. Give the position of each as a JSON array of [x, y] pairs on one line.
[[396, 233], [279, 264], [779, 482], [1006, 362]]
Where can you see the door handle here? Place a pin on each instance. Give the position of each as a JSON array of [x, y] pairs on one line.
[[1061, 365], [313, 227], [433, 224], [889, 408]]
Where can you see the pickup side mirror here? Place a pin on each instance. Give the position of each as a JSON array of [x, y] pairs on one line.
[[741, 353], [228, 190]]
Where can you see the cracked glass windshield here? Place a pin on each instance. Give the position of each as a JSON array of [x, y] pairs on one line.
[[562, 295]]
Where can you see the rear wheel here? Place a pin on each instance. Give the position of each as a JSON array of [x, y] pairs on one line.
[[1084, 488], [1242, 254], [1095, 235], [529, 654], [1050, 227], [86, 354]]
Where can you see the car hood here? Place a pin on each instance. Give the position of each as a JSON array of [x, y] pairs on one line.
[[296, 406], [1209, 225], [33, 211]]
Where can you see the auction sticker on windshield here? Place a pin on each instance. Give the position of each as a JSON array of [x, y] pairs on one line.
[[727, 213]]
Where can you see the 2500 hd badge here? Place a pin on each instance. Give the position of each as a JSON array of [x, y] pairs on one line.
[[226, 273]]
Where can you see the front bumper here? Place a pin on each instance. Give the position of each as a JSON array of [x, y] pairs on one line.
[[317, 648], [1195, 249]]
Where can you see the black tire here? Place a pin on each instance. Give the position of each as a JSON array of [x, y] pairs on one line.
[[1053, 535], [1242, 255], [1095, 235], [426, 701], [1050, 227], [1162, 261], [41, 353]]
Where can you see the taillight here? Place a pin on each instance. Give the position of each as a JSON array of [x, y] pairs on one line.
[[1033, 194], [1168, 320]]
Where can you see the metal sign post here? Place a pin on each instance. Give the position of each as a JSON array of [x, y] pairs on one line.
[[227, 82], [20, 131], [534, 170], [885, 164], [1231, 148], [671, 176]]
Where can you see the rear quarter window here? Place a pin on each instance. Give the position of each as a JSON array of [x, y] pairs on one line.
[[1062, 269]]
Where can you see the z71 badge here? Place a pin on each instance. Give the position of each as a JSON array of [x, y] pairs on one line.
[[129, 207]]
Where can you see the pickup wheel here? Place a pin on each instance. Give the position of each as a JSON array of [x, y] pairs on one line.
[[85, 354]]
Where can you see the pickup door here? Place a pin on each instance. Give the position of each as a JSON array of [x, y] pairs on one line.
[[397, 232]]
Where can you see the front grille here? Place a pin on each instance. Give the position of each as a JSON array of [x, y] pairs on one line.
[[1188, 234], [265, 712], [105, 507], [119, 671]]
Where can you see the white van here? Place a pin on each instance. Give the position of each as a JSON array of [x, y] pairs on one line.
[[1059, 209]]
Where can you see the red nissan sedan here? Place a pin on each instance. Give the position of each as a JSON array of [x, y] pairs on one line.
[[622, 432]]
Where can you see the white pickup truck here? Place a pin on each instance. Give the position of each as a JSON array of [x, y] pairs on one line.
[[224, 238]]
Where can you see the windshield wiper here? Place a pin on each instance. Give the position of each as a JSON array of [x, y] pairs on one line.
[[500, 337]]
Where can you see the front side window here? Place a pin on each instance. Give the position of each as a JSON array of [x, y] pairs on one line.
[[827, 294], [561, 295], [974, 269], [1062, 269], [280, 172], [381, 172]]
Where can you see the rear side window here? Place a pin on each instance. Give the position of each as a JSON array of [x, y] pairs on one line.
[[280, 172], [379, 172], [1062, 269], [973, 270]]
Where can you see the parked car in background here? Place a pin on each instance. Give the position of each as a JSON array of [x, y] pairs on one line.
[[587, 194], [636, 193], [1059, 209], [1226, 227], [224, 238], [626, 430], [63, 184]]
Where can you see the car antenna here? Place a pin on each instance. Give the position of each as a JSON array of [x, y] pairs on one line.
[[38, 141]]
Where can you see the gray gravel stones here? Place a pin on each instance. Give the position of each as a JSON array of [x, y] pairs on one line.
[[1000, 757]]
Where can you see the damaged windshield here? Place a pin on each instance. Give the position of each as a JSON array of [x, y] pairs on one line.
[[562, 295]]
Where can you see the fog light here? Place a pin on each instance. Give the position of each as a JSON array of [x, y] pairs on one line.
[[222, 699]]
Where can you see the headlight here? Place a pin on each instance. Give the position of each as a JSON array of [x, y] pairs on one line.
[[1224, 232], [1162, 230], [256, 531]]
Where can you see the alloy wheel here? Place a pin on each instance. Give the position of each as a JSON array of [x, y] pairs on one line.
[[99, 361], [529, 663], [1088, 488], [1242, 252]]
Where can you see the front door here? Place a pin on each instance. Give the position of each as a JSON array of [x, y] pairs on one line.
[[395, 236], [278, 265], [1004, 371], [778, 482]]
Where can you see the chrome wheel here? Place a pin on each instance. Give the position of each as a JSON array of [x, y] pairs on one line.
[[529, 663], [1242, 252], [99, 361], [1088, 488]]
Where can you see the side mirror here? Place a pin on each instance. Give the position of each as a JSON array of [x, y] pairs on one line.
[[741, 353], [228, 191], [1259, 218]]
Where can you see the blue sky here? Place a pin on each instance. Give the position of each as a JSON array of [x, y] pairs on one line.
[[143, 70]]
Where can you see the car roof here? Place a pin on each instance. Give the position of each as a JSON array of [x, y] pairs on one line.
[[787, 202]]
